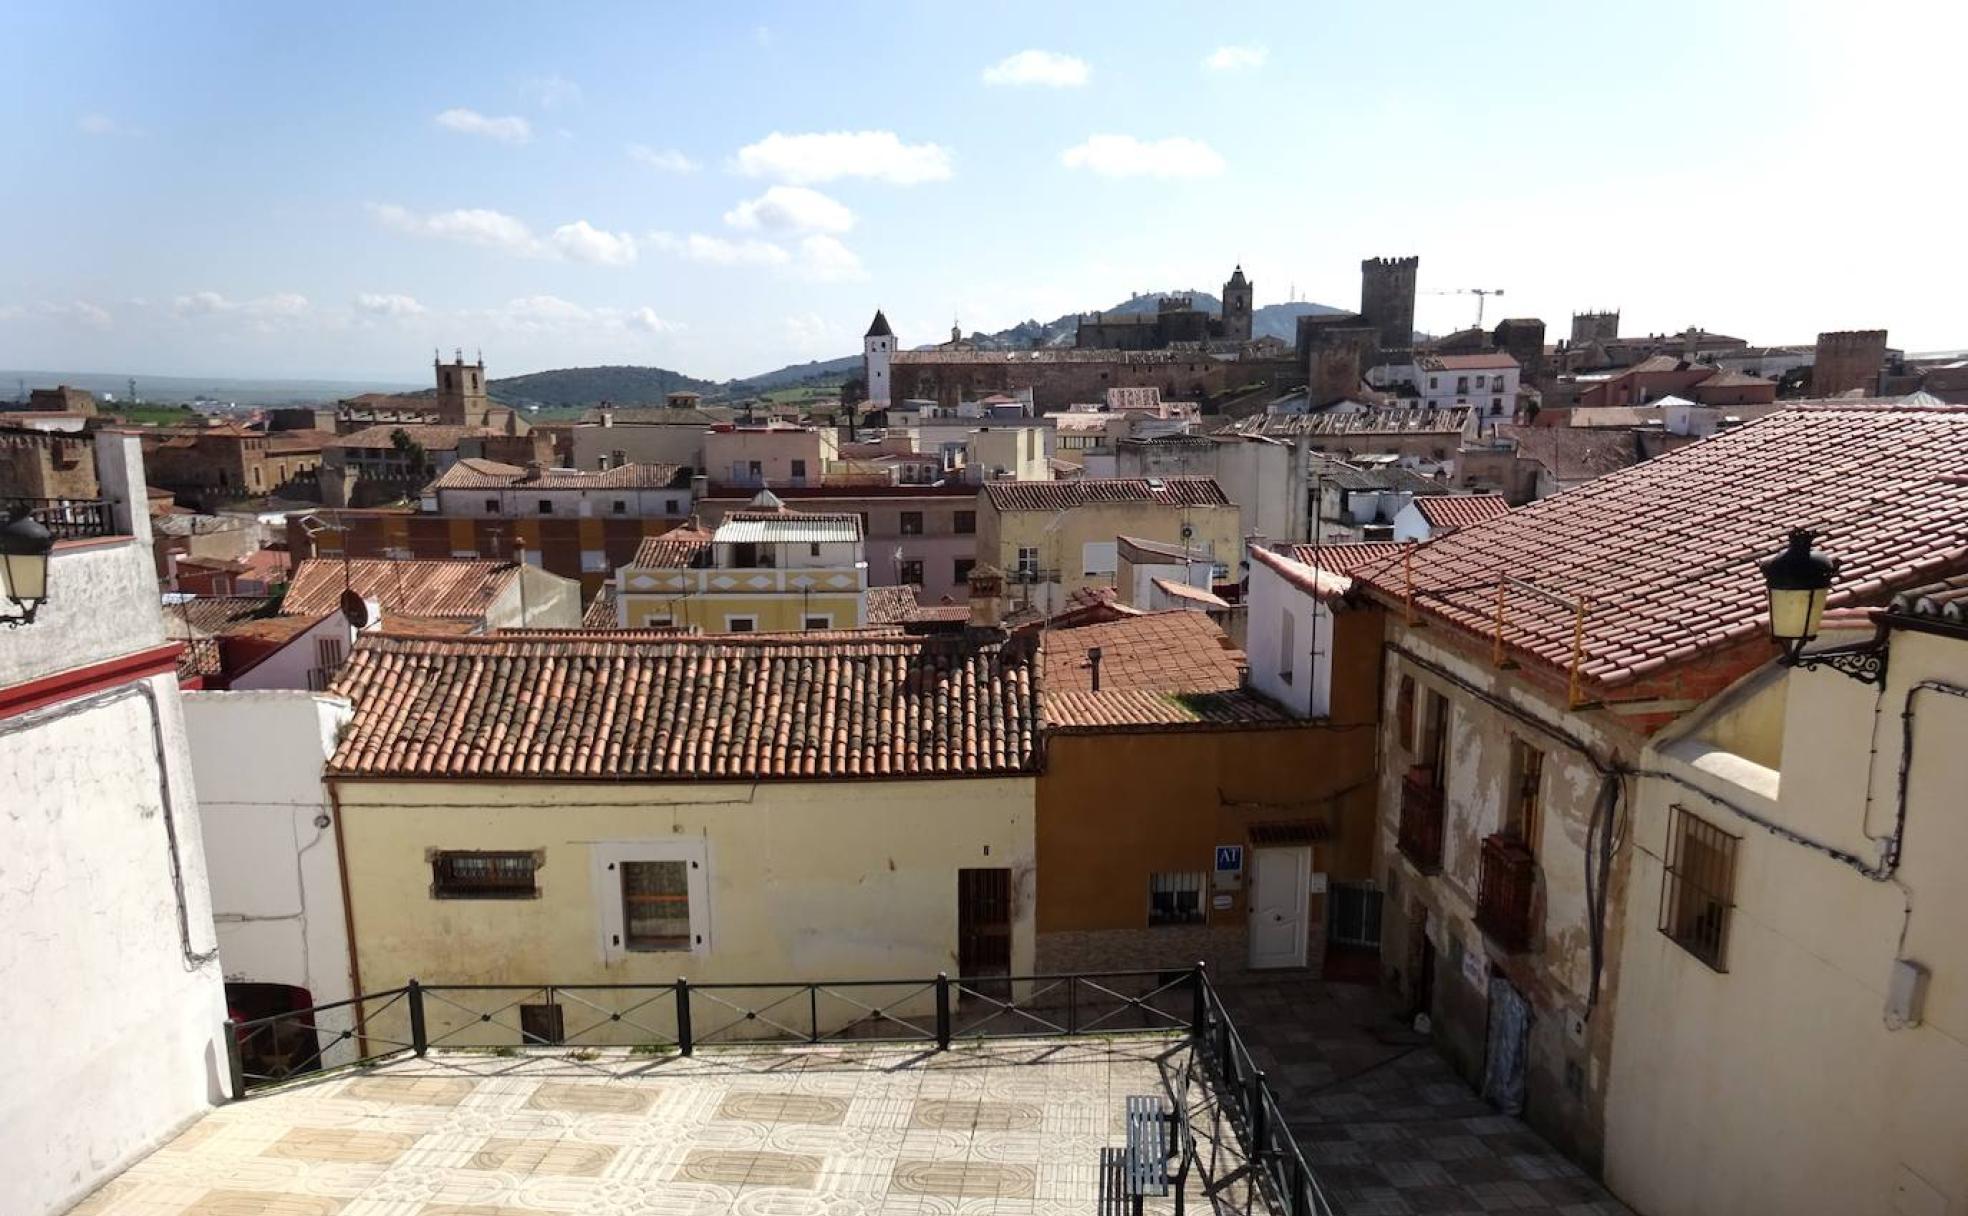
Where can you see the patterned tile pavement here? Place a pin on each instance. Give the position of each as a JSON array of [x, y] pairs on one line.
[[1384, 1122], [1008, 1128]]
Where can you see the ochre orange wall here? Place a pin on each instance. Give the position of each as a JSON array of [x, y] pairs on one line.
[[1115, 807]]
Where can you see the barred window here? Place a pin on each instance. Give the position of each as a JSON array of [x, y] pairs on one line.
[[1176, 898], [1698, 889], [461, 875]]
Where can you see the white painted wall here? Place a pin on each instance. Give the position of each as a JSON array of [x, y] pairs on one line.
[[290, 666], [276, 881], [1409, 524], [114, 1027], [1291, 664], [522, 502]]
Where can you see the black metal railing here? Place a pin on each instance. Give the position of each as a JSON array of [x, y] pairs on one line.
[[66, 518], [682, 1017]]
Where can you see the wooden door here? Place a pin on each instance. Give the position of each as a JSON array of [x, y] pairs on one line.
[[983, 923]]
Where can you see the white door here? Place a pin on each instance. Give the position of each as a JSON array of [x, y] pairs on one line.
[[1280, 879]]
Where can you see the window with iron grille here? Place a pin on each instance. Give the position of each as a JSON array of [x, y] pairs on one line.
[[474, 875], [1698, 889], [1175, 898]]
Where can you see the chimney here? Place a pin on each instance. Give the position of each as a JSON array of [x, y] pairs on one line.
[[1093, 665], [533, 470], [618, 457], [986, 596]]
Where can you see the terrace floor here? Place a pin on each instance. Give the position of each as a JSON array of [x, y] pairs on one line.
[[1010, 1126], [1387, 1126]]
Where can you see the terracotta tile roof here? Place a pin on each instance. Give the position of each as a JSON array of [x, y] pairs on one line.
[[273, 628], [208, 614], [675, 709], [673, 550], [1460, 510], [1496, 360], [891, 605], [1393, 420], [1348, 558], [1195, 595], [1315, 581], [1667, 551], [429, 588], [1081, 491], [1097, 712], [658, 415], [433, 438], [601, 613], [1574, 453], [1175, 651], [472, 473], [1945, 600]]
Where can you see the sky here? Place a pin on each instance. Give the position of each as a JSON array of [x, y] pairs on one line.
[[333, 191]]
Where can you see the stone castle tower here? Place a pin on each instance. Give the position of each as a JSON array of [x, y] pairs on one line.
[[1846, 360], [461, 399], [1595, 327], [877, 349], [1237, 307], [1387, 299]]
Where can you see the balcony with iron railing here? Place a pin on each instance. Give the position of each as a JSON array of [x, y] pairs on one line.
[[1507, 885], [66, 518], [1420, 836]]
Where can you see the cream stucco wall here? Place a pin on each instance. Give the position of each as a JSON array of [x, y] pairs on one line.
[[1779, 1085], [805, 881], [1061, 537]]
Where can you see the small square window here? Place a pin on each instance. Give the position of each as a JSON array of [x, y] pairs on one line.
[[656, 905], [546, 506], [475, 875], [491, 506], [621, 508], [541, 1024], [1175, 898], [909, 572], [740, 624], [961, 568], [912, 523], [966, 523], [799, 469], [817, 622]]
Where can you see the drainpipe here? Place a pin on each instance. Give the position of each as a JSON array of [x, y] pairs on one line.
[[348, 920]]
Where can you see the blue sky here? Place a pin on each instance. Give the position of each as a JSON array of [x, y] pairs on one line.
[[332, 190]]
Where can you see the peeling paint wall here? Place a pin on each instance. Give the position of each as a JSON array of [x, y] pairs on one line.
[[1568, 1053]]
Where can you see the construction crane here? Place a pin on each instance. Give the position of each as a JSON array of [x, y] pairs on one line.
[[1482, 295]]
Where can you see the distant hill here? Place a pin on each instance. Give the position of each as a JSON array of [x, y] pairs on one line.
[[211, 391], [1271, 320], [573, 387]]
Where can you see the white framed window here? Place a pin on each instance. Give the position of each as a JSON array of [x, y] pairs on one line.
[[1028, 560], [657, 620], [652, 896], [821, 620], [741, 624]]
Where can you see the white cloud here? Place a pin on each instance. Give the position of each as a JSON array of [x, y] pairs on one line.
[[667, 160], [102, 125], [826, 156], [826, 259], [645, 319], [82, 312], [549, 314], [389, 304], [718, 251], [1047, 68], [1126, 156], [791, 209], [471, 225], [1236, 58], [809, 331], [583, 242], [551, 91], [511, 129], [265, 313]]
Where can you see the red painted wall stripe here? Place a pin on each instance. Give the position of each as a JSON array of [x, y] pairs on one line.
[[80, 681]]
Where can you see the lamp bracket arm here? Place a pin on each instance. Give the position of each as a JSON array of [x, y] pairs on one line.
[[1862, 661]]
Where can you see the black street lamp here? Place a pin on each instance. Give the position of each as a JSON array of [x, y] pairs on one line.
[[1798, 581], [24, 548]]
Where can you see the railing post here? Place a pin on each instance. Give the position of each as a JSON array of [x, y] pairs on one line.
[[683, 1015], [1199, 1004], [235, 1059], [1300, 1201], [942, 1011], [414, 996], [1254, 1096]]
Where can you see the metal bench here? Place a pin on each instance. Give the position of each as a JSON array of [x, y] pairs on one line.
[[1130, 1175]]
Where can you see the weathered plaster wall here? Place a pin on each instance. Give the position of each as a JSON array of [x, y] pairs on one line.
[[114, 1032], [1779, 1085], [102, 603], [1569, 1052], [276, 885]]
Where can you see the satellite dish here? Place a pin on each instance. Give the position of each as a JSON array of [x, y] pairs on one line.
[[1187, 531], [355, 609]]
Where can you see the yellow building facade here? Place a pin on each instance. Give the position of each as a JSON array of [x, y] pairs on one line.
[[767, 570]]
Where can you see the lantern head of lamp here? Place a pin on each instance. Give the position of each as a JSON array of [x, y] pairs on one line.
[[24, 548], [1798, 581]]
